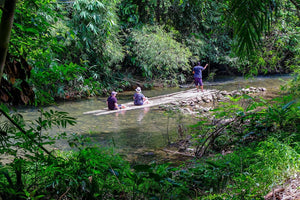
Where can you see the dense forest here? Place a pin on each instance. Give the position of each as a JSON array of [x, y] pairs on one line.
[[67, 49]]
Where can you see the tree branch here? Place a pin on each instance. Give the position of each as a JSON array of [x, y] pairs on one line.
[[297, 5], [24, 132]]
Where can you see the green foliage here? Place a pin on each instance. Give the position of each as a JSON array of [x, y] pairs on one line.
[[89, 172], [247, 173], [245, 120], [30, 36], [94, 34], [250, 20], [23, 151], [134, 14], [157, 53], [194, 17], [95, 24], [62, 81], [280, 46], [293, 85], [85, 172]]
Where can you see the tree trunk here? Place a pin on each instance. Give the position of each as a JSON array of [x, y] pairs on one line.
[[5, 30], [158, 12]]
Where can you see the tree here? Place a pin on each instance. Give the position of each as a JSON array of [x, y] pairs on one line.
[[5, 29]]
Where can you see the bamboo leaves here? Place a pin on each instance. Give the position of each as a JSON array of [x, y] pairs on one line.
[[156, 52], [96, 25]]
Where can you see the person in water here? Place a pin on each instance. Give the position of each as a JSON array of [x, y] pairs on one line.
[[112, 102], [197, 71], [139, 98]]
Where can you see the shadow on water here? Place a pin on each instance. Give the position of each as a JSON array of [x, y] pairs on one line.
[[143, 131]]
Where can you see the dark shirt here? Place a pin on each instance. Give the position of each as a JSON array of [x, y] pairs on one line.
[[138, 99], [111, 103], [198, 71]]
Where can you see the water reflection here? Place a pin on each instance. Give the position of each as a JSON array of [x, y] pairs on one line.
[[143, 112]]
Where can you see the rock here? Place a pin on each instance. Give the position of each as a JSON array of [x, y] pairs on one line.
[[206, 100], [262, 89], [220, 97], [149, 154], [237, 94], [245, 91], [206, 109], [187, 110], [214, 96], [199, 99], [224, 93], [183, 103]]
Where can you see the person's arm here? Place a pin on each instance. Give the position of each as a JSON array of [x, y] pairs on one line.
[[116, 106], [205, 66]]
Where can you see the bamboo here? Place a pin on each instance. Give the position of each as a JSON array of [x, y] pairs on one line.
[[155, 101]]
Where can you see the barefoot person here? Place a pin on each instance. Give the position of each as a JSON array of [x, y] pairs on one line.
[[112, 102], [197, 71], [139, 98]]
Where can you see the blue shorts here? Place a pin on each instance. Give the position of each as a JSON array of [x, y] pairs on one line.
[[119, 106], [198, 81]]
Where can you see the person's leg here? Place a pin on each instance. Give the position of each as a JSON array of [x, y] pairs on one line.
[[146, 101], [121, 106], [201, 84], [197, 84]]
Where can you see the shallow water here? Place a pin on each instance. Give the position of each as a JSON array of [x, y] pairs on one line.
[[142, 130]]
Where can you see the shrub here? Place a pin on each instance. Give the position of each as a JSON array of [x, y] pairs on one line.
[[157, 53]]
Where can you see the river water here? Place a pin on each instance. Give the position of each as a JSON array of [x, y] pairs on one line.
[[140, 132]]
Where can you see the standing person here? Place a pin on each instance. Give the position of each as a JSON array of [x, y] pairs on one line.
[[112, 102], [139, 98], [197, 71]]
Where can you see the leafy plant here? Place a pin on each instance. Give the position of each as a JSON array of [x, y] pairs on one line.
[[246, 173], [61, 81], [157, 54], [95, 24]]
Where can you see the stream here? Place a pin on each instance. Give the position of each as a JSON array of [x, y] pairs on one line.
[[138, 134]]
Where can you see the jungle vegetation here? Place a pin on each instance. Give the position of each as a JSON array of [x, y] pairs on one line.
[[65, 49], [60, 49]]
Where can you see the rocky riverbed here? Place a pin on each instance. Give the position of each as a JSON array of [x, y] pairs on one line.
[[202, 102]]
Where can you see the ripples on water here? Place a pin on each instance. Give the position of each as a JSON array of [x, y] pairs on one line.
[[140, 130]]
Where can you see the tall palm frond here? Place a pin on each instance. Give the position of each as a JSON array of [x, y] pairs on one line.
[[250, 19]]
